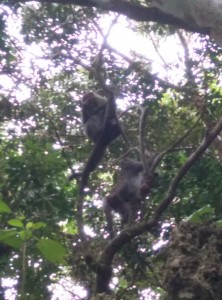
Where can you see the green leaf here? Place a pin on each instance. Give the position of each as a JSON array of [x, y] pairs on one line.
[[203, 214], [10, 238], [29, 225], [4, 207], [218, 224], [14, 241], [38, 225], [15, 222], [7, 233], [25, 234], [52, 251]]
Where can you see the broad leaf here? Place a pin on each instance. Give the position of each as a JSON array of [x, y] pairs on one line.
[[4, 207], [11, 238], [52, 251], [15, 222], [203, 214]]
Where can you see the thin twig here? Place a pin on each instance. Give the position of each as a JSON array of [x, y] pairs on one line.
[[159, 156], [144, 114], [158, 52]]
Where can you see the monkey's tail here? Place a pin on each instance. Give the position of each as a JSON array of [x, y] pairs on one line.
[[93, 161]]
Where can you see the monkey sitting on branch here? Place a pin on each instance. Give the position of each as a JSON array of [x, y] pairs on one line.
[[131, 188], [101, 125], [93, 115]]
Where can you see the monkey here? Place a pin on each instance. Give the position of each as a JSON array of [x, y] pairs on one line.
[[93, 112], [126, 195], [101, 125], [93, 115], [132, 186]]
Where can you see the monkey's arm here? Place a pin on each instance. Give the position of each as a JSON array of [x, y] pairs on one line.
[[85, 114], [90, 111]]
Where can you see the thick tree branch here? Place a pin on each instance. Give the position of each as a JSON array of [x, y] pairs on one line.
[[132, 11]]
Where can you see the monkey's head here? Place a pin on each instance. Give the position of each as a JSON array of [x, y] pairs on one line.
[[131, 165], [92, 100], [87, 98]]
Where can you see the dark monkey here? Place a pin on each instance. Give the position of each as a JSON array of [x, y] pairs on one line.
[[101, 125], [126, 195], [93, 115]]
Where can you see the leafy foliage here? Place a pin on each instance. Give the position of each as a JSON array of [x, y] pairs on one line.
[[54, 55]]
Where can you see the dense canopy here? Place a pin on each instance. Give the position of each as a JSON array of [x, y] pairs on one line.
[[160, 71]]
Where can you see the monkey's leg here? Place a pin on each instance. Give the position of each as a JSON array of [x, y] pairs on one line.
[[124, 211], [134, 207], [109, 218]]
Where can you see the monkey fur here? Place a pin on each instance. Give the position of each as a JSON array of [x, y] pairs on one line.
[[101, 125], [126, 195], [93, 116]]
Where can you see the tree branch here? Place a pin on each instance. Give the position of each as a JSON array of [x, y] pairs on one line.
[[143, 116], [132, 11], [159, 156]]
